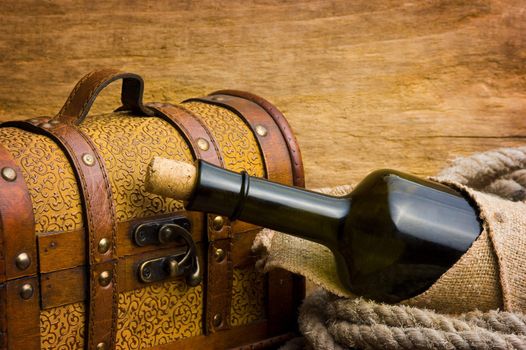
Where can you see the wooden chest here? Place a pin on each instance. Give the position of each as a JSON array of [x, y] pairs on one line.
[[89, 259]]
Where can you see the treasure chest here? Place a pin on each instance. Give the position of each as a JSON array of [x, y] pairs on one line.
[[90, 260]]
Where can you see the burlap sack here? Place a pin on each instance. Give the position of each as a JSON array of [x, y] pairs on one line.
[[490, 275]]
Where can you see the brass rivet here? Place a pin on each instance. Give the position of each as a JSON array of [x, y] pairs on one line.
[[166, 234], [45, 125], [26, 292], [217, 320], [54, 122], [34, 121], [104, 278], [218, 223], [22, 261], [219, 255], [203, 144], [88, 159], [261, 130], [104, 245], [101, 346], [9, 174]]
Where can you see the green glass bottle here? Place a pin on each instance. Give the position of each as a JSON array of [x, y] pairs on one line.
[[392, 237]]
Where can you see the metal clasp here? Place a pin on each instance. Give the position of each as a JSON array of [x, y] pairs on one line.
[[150, 233], [183, 263]]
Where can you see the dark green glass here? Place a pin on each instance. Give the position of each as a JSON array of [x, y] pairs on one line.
[[392, 237]]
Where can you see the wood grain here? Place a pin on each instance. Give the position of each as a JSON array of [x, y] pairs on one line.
[[364, 84]]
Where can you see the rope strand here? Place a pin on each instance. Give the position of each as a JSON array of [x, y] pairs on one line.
[[332, 323]]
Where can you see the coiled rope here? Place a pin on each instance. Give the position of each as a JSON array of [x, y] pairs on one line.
[[333, 323]]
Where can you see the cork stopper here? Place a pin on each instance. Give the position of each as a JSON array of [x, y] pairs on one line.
[[171, 178]]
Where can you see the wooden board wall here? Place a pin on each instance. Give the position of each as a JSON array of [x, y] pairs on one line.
[[365, 84]]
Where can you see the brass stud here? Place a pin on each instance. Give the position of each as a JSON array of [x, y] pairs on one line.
[[22, 261], [9, 174], [218, 222], [104, 278], [54, 122], [104, 245], [34, 121], [26, 292], [166, 234], [217, 320], [219, 255], [261, 130], [101, 346], [88, 159], [203, 144], [45, 125]]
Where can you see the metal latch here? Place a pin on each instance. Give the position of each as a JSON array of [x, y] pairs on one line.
[[183, 263], [150, 233]]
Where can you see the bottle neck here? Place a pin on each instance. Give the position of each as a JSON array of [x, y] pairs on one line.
[[292, 210]]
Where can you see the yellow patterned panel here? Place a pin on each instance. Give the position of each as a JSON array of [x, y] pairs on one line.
[[236, 141], [62, 327], [159, 314], [248, 296], [150, 316], [127, 145], [49, 177]]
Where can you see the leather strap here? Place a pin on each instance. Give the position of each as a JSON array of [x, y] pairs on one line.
[[18, 243], [19, 292], [99, 218], [85, 92], [19, 304], [284, 127], [203, 145], [219, 273], [270, 128], [283, 164]]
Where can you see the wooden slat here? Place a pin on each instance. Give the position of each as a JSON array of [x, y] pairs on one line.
[[62, 250], [63, 287]]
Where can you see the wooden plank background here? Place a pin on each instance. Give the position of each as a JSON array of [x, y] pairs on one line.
[[365, 84]]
